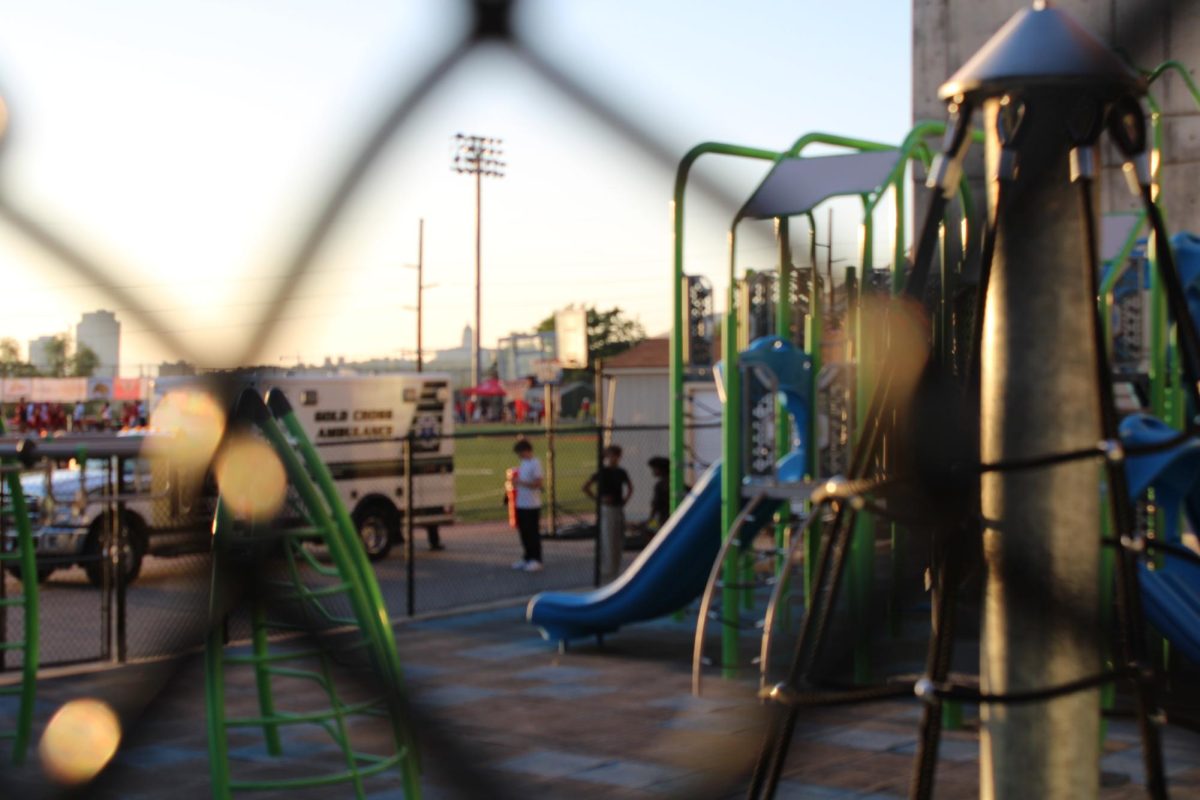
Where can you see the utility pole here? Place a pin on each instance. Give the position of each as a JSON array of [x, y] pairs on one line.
[[420, 292], [421, 287], [478, 156]]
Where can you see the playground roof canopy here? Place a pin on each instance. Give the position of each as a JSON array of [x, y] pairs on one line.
[[796, 185]]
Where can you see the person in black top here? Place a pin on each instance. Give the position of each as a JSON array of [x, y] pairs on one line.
[[660, 501], [611, 485]]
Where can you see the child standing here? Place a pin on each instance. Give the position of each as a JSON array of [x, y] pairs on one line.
[[528, 501], [612, 486]]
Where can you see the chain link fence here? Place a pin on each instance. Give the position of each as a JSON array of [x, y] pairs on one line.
[[91, 612]]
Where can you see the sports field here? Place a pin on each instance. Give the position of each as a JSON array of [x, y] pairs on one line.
[[483, 452]]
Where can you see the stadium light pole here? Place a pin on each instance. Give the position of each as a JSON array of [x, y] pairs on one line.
[[478, 156]]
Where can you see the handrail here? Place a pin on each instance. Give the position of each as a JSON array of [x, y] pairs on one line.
[[797, 543], [713, 577], [675, 389]]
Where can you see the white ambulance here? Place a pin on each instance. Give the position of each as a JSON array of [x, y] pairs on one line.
[[358, 423]]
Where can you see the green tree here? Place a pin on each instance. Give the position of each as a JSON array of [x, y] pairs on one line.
[[11, 365], [84, 362], [609, 332], [56, 355]]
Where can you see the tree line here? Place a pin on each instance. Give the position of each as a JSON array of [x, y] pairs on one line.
[[62, 360]]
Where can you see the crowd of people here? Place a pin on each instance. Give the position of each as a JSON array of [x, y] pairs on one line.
[[516, 410], [29, 417], [498, 409]]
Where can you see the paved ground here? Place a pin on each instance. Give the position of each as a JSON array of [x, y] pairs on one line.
[[168, 604], [503, 714]]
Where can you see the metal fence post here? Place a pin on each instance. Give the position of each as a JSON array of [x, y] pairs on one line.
[[410, 571], [121, 537], [551, 472], [4, 500], [599, 466], [105, 554]]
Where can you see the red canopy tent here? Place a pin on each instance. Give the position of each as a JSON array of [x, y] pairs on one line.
[[489, 388]]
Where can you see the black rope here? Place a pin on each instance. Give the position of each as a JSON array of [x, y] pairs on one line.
[[832, 553], [1112, 449], [947, 558], [949, 690], [1185, 329], [791, 698], [1047, 460], [1129, 612], [1171, 548]]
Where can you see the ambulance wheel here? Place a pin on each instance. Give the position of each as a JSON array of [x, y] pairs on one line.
[[377, 526]]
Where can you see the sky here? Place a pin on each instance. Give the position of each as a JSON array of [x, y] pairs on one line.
[[185, 146]]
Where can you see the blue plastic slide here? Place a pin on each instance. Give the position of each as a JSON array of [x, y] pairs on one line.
[[667, 575], [1170, 591]]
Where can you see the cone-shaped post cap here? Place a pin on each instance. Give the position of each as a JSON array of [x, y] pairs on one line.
[[1042, 47]]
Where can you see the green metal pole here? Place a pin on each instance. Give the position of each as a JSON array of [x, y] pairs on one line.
[[364, 592], [783, 321], [1108, 692], [783, 328], [862, 546], [731, 462], [218, 742], [676, 432], [813, 337], [31, 621], [812, 346], [899, 256], [262, 680]]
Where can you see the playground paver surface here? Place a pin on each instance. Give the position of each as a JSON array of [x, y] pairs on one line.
[[502, 713]]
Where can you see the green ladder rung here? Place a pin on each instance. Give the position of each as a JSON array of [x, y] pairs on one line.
[[304, 718], [12, 646], [381, 764], [289, 655], [300, 532], [304, 593], [271, 657], [288, 626], [9, 602]]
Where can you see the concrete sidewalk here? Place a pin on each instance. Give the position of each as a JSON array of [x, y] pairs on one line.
[[503, 714]]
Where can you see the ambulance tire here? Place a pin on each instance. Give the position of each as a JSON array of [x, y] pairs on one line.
[[378, 525]]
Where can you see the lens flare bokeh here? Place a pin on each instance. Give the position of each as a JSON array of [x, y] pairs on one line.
[[251, 478], [193, 422], [80, 739]]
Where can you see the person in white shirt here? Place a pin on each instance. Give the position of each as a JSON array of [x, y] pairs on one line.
[[529, 507]]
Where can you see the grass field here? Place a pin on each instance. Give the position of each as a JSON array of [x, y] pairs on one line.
[[483, 452]]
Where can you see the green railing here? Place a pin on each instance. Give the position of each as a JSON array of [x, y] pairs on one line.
[[315, 582], [21, 560]]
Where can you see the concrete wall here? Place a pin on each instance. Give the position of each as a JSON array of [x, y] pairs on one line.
[[947, 32]]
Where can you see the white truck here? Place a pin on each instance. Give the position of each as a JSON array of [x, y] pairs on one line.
[[358, 423]]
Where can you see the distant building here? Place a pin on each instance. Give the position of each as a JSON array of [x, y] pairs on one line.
[[517, 353], [457, 360], [101, 333], [39, 352], [168, 369]]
